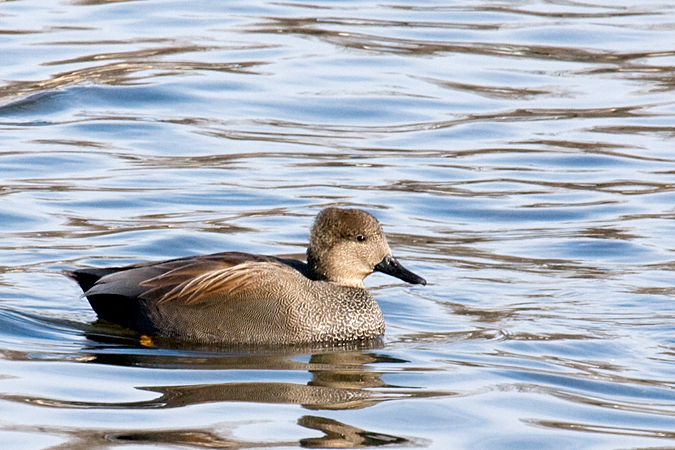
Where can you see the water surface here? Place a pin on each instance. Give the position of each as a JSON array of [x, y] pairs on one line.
[[519, 156]]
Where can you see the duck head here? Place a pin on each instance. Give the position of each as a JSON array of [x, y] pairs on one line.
[[347, 245]]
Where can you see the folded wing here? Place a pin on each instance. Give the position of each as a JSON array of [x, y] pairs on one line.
[[189, 280]]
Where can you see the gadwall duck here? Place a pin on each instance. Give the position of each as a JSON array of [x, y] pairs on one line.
[[239, 298]]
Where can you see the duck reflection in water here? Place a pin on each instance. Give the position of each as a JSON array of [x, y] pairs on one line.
[[336, 435], [341, 380]]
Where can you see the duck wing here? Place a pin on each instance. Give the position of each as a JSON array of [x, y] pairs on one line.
[[198, 281], [187, 280]]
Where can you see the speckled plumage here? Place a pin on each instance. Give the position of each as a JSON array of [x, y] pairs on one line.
[[239, 298]]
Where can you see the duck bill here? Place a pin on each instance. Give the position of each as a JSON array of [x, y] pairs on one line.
[[391, 266]]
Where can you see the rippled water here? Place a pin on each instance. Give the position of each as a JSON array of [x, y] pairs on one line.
[[519, 155]]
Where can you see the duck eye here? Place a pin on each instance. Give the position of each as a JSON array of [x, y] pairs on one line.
[[360, 237]]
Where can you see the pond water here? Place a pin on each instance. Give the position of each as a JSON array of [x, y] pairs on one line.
[[519, 155]]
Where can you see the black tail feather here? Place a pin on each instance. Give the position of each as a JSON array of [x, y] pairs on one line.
[[86, 278]]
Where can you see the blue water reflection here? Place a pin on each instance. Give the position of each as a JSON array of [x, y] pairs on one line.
[[519, 157]]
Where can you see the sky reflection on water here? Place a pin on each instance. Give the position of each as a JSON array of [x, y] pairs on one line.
[[518, 155]]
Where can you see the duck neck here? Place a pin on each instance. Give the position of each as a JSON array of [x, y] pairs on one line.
[[314, 271], [318, 270]]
